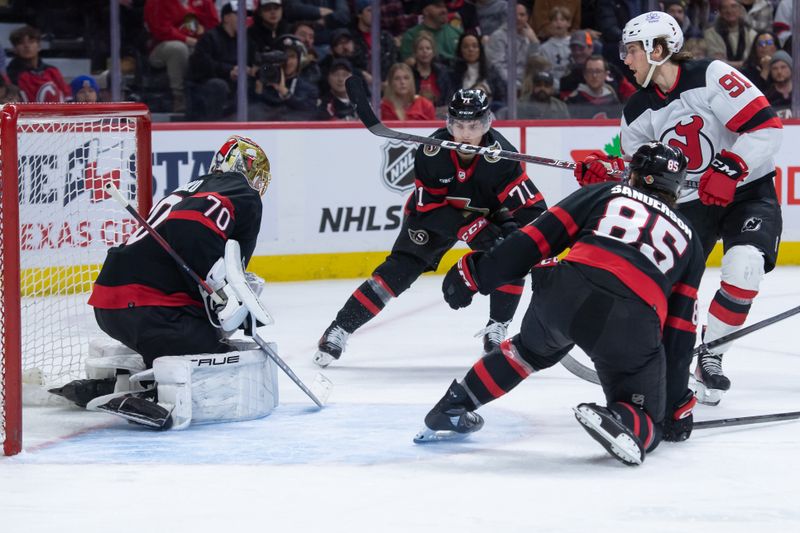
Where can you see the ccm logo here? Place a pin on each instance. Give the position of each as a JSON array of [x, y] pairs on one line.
[[215, 361]]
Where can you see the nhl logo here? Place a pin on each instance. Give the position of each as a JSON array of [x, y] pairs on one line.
[[461, 175], [397, 168]]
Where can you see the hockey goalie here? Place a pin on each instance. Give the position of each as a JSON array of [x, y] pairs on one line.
[[177, 363]]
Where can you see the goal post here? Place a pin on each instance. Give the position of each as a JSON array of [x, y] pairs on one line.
[[56, 224]]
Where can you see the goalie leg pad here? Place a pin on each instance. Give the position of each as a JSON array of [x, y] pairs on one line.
[[213, 388]]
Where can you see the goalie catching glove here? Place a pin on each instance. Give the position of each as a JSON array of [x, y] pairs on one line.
[[241, 306]]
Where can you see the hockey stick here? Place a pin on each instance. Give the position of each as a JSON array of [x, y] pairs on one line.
[[320, 379], [588, 374], [358, 95], [746, 420]]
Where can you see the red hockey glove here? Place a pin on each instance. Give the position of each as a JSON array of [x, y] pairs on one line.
[[459, 285], [679, 420], [718, 182], [596, 168]]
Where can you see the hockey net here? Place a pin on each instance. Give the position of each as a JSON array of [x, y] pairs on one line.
[[57, 223]]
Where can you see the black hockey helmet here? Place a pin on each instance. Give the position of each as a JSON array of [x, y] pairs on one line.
[[659, 166], [469, 105]]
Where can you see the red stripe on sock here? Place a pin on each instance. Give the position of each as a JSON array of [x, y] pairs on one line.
[[371, 307], [379, 281], [736, 292], [511, 289], [487, 380], [728, 317]]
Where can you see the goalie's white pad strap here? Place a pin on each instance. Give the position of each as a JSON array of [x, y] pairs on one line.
[[106, 356], [211, 388]]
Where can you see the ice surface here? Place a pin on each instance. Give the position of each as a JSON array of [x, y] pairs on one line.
[[352, 467]]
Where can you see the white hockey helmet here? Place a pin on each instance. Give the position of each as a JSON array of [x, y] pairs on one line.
[[648, 27], [243, 155]]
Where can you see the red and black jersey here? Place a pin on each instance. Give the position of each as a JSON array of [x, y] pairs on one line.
[[613, 228], [444, 189], [196, 220], [43, 83]]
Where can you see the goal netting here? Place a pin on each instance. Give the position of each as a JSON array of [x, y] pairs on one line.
[[57, 224]]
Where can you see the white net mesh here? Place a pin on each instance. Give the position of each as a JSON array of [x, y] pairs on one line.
[[67, 222]]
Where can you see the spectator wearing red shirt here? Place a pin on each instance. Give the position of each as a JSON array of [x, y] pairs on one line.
[[37, 81], [175, 26], [400, 100]]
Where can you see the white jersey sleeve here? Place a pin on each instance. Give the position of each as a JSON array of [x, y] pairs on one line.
[[743, 109]]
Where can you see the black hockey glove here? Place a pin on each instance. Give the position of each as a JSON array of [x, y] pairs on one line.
[[679, 420], [506, 221], [459, 284]]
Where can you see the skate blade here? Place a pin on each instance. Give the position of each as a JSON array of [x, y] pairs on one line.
[[622, 448], [322, 359], [427, 435], [703, 394]]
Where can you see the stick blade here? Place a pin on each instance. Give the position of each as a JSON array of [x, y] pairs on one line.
[[321, 387]]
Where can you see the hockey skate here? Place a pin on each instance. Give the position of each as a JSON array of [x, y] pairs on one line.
[[493, 334], [82, 391], [708, 382], [331, 345], [135, 407], [449, 419], [606, 428]]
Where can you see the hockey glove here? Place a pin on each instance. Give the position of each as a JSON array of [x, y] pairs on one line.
[[679, 422], [459, 284], [596, 168], [468, 232], [718, 182], [506, 221]]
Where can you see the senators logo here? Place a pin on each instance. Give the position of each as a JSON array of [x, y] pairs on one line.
[[695, 145]]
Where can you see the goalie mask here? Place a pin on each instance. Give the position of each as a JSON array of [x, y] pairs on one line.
[[243, 155]]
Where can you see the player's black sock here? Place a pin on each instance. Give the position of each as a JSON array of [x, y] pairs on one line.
[[497, 373], [367, 300], [504, 300]]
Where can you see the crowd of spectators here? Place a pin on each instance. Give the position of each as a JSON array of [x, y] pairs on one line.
[[300, 52]]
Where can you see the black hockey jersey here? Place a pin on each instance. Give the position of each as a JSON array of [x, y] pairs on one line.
[[620, 230], [444, 190], [196, 220]]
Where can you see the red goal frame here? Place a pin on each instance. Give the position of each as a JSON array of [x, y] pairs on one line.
[[10, 298]]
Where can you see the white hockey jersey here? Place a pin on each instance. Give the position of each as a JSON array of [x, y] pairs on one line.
[[712, 107]]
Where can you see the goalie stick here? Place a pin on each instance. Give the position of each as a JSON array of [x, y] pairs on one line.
[[323, 383], [584, 372], [358, 95]]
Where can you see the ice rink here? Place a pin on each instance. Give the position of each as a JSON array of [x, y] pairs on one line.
[[352, 466]]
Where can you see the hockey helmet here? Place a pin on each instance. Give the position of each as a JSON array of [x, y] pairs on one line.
[[648, 27], [243, 155], [469, 105], [659, 166]]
